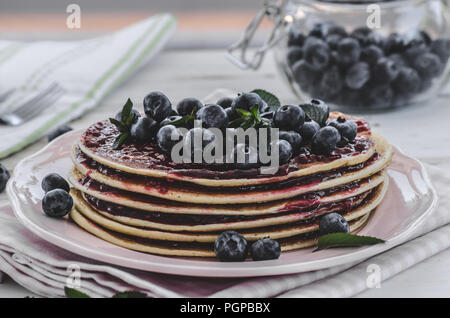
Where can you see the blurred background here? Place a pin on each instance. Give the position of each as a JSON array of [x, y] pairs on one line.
[[201, 23]]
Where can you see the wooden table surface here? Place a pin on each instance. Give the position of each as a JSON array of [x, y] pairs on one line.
[[421, 131]]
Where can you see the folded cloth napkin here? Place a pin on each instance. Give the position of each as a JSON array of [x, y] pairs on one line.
[[87, 70], [45, 269]]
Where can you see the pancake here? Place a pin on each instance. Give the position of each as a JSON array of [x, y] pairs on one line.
[[147, 160]]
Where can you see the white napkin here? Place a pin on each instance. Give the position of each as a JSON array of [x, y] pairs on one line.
[[87, 70], [44, 269]]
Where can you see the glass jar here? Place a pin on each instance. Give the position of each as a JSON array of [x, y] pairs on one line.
[[357, 55]]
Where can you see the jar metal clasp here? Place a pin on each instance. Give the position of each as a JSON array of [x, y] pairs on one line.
[[238, 52]]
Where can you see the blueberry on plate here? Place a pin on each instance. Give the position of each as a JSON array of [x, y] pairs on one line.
[[349, 51], [308, 130], [57, 203], [325, 140], [170, 120], [4, 177], [408, 82], [196, 140], [167, 137], [386, 70], [187, 105], [118, 116], [428, 65], [293, 138], [357, 75], [225, 102], [265, 249], [157, 106], [244, 156], [333, 223], [61, 130], [144, 129], [316, 53], [247, 101], [441, 47], [284, 150], [289, 117], [54, 181], [212, 116], [230, 246], [371, 54], [347, 128], [294, 54]]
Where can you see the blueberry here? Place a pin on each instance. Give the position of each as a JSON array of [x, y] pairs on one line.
[[225, 102], [118, 116], [167, 137], [308, 130], [157, 106], [61, 130], [331, 82], [349, 51], [399, 59], [4, 177], [231, 113], [230, 246], [365, 36], [265, 249], [54, 181], [187, 105], [386, 70], [441, 47], [250, 156], [303, 73], [294, 139], [321, 105], [394, 43], [428, 65], [333, 223], [415, 45], [289, 117], [379, 96], [325, 140], [357, 75], [284, 150], [171, 119], [334, 29], [247, 101], [144, 129], [57, 203], [294, 54], [408, 82], [295, 38], [316, 53], [371, 54], [347, 128], [333, 41], [212, 115], [196, 140], [318, 30]]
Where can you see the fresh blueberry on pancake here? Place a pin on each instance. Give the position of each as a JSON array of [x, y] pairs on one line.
[[333, 223], [289, 117], [54, 181], [325, 140], [347, 128], [144, 129], [265, 249], [321, 105], [212, 116], [170, 120], [4, 177], [118, 116], [284, 150], [157, 106], [230, 246], [308, 130], [197, 139], [187, 105], [61, 130], [247, 101], [231, 113], [294, 139], [225, 102], [250, 156], [167, 137], [57, 203]]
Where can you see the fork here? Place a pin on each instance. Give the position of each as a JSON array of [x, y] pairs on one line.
[[33, 107]]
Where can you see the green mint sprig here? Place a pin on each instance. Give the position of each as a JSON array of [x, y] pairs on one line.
[[186, 121], [73, 293], [124, 126], [345, 240], [272, 101], [249, 119]]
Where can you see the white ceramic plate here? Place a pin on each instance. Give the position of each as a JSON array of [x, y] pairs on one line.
[[410, 198]]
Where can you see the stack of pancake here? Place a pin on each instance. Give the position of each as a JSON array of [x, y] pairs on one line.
[[137, 198]]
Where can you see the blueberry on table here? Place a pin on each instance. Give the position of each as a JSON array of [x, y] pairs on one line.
[[325, 140], [284, 150], [57, 203], [157, 106], [265, 249], [167, 137], [386, 70], [225, 102], [212, 116], [347, 128], [230, 246], [187, 105], [244, 156], [294, 54], [357, 75], [293, 138], [4, 177], [308, 130], [408, 82], [54, 181], [289, 117], [333, 223], [144, 129], [316, 53], [428, 65], [349, 51], [61, 130], [118, 116], [441, 47], [247, 101]]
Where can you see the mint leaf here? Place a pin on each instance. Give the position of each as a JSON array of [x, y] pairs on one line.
[[120, 140], [130, 294], [120, 126], [315, 113], [73, 293], [345, 240], [126, 110], [269, 98]]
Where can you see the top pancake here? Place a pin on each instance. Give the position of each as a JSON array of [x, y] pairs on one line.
[[147, 160]]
